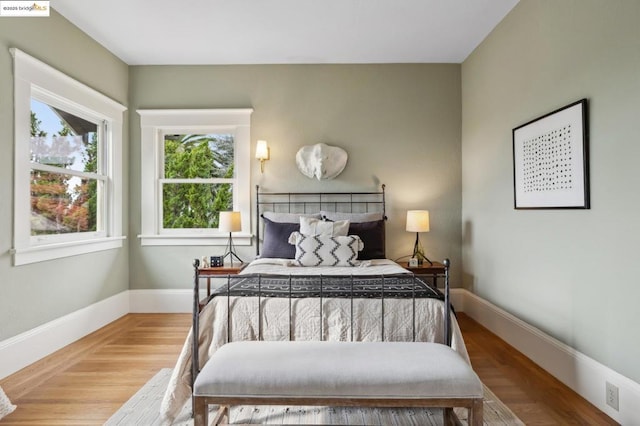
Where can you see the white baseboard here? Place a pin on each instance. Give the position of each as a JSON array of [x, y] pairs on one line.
[[26, 348], [161, 301], [584, 375]]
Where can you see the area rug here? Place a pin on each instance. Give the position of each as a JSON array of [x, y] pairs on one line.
[[6, 407], [143, 409]]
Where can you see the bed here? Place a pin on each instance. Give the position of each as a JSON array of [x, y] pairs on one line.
[[308, 284]]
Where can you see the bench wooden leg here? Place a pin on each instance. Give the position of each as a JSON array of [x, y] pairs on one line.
[[475, 413], [448, 417], [221, 415], [200, 411]]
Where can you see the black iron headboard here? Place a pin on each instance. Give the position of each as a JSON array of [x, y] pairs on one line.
[[313, 202]]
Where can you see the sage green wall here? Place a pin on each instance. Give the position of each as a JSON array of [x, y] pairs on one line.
[[572, 273], [400, 125], [34, 294]]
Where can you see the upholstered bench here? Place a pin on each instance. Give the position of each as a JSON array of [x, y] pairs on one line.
[[373, 374]]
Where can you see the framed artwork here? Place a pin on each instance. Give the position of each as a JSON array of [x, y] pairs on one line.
[[551, 160]]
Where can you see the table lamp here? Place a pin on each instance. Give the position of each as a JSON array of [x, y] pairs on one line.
[[418, 221], [230, 222]]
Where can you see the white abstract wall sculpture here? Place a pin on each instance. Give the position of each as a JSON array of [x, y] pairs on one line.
[[321, 161]]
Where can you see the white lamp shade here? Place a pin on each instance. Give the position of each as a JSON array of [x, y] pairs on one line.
[[230, 222], [262, 150], [418, 220]]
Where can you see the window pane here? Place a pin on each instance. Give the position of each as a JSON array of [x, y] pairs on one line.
[[198, 156], [62, 203], [195, 205], [61, 139]]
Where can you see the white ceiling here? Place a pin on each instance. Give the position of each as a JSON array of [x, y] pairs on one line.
[[152, 32]]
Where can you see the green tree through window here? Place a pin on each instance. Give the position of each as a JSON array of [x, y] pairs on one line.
[[198, 170]]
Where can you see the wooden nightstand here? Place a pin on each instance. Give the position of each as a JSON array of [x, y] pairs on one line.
[[223, 270], [218, 271], [426, 270]]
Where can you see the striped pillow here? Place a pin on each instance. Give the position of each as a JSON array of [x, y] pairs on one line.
[[326, 250]]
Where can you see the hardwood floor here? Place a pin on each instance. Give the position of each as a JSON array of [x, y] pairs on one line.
[[86, 382], [535, 396]]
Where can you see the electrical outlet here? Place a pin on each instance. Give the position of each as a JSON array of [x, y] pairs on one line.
[[612, 396]]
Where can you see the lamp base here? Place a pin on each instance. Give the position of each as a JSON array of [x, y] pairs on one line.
[[230, 252], [418, 252]]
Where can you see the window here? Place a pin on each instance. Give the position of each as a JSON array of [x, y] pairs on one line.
[[68, 181], [195, 164]]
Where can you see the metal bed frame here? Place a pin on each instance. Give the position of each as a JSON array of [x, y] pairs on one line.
[[303, 202], [311, 202]]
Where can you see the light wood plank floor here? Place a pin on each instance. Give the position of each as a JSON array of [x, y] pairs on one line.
[[86, 382]]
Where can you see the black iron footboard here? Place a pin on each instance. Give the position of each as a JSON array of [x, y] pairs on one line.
[[396, 286]]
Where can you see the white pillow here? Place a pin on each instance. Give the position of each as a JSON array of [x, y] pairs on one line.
[[352, 217], [311, 226], [288, 217], [325, 250]]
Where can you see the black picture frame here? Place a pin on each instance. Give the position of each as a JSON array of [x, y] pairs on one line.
[[551, 160]]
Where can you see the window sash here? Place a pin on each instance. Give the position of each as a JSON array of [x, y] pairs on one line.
[[162, 181], [192, 144], [103, 195], [99, 232]]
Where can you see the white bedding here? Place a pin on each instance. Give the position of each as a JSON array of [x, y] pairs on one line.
[[287, 267], [336, 326]]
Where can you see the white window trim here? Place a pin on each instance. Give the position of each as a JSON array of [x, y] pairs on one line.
[[156, 123], [30, 73]]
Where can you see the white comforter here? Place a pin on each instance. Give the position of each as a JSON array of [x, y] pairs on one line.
[[287, 267], [336, 313]]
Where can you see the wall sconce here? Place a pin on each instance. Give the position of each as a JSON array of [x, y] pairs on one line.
[[262, 153], [418, 221], [230, 222]]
